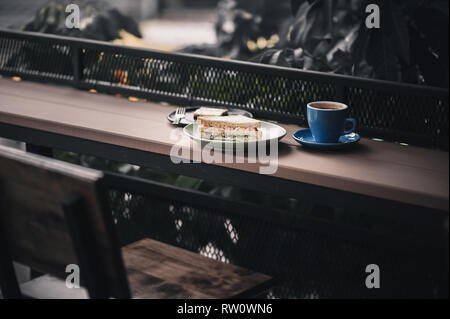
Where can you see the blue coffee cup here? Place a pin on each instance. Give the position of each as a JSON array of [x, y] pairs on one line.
[[327, 121]]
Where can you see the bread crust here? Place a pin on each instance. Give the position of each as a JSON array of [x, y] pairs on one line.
[[230, 121], [209, 111]]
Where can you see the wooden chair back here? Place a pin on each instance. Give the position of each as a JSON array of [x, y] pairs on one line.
[[53, 214]]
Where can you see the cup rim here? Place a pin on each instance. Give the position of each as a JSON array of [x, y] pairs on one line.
[[310, 105]]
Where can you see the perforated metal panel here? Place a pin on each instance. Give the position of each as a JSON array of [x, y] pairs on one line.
[[259, 93], [36, 58], [422, 117], [391, 111]]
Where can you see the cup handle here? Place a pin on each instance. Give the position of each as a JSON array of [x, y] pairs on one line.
[[352, 130]]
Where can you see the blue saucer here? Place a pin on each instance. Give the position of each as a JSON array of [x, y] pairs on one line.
[[305, 138]]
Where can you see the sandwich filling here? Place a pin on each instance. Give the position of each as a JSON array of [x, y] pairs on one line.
[[229, 128]]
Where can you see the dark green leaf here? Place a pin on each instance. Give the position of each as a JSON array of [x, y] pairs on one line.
[[395, 27], [381, 56], [188, 182], [295, 4]]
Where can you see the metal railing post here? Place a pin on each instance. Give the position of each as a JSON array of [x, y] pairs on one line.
[[76, 65]]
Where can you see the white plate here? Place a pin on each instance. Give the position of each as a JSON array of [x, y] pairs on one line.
[[269, 131]]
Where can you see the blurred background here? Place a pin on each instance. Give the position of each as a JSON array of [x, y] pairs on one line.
[[164, 24], [319, 35], [322, 35]]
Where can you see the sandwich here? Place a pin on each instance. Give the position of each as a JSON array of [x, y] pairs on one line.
[[229, 128], [209, 111]]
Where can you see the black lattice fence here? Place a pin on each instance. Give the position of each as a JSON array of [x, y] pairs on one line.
[[392, 111]]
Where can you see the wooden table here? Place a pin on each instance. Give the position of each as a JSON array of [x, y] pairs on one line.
[[399, 176]]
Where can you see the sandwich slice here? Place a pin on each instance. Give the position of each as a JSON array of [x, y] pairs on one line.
[[209, 111], [229, 128]]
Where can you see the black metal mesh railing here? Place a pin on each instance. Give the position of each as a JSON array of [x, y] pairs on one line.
[[36, 58], [306, 258], [392, 111], [264, 94]]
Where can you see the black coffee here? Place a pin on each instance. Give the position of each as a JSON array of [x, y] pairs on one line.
[[327, 106]]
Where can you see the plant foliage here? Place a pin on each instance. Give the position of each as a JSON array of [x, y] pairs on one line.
[[331, 36], [98, 21]]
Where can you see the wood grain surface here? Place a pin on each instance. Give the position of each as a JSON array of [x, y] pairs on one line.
[[385, 170], [158, 270], [32, 220]]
